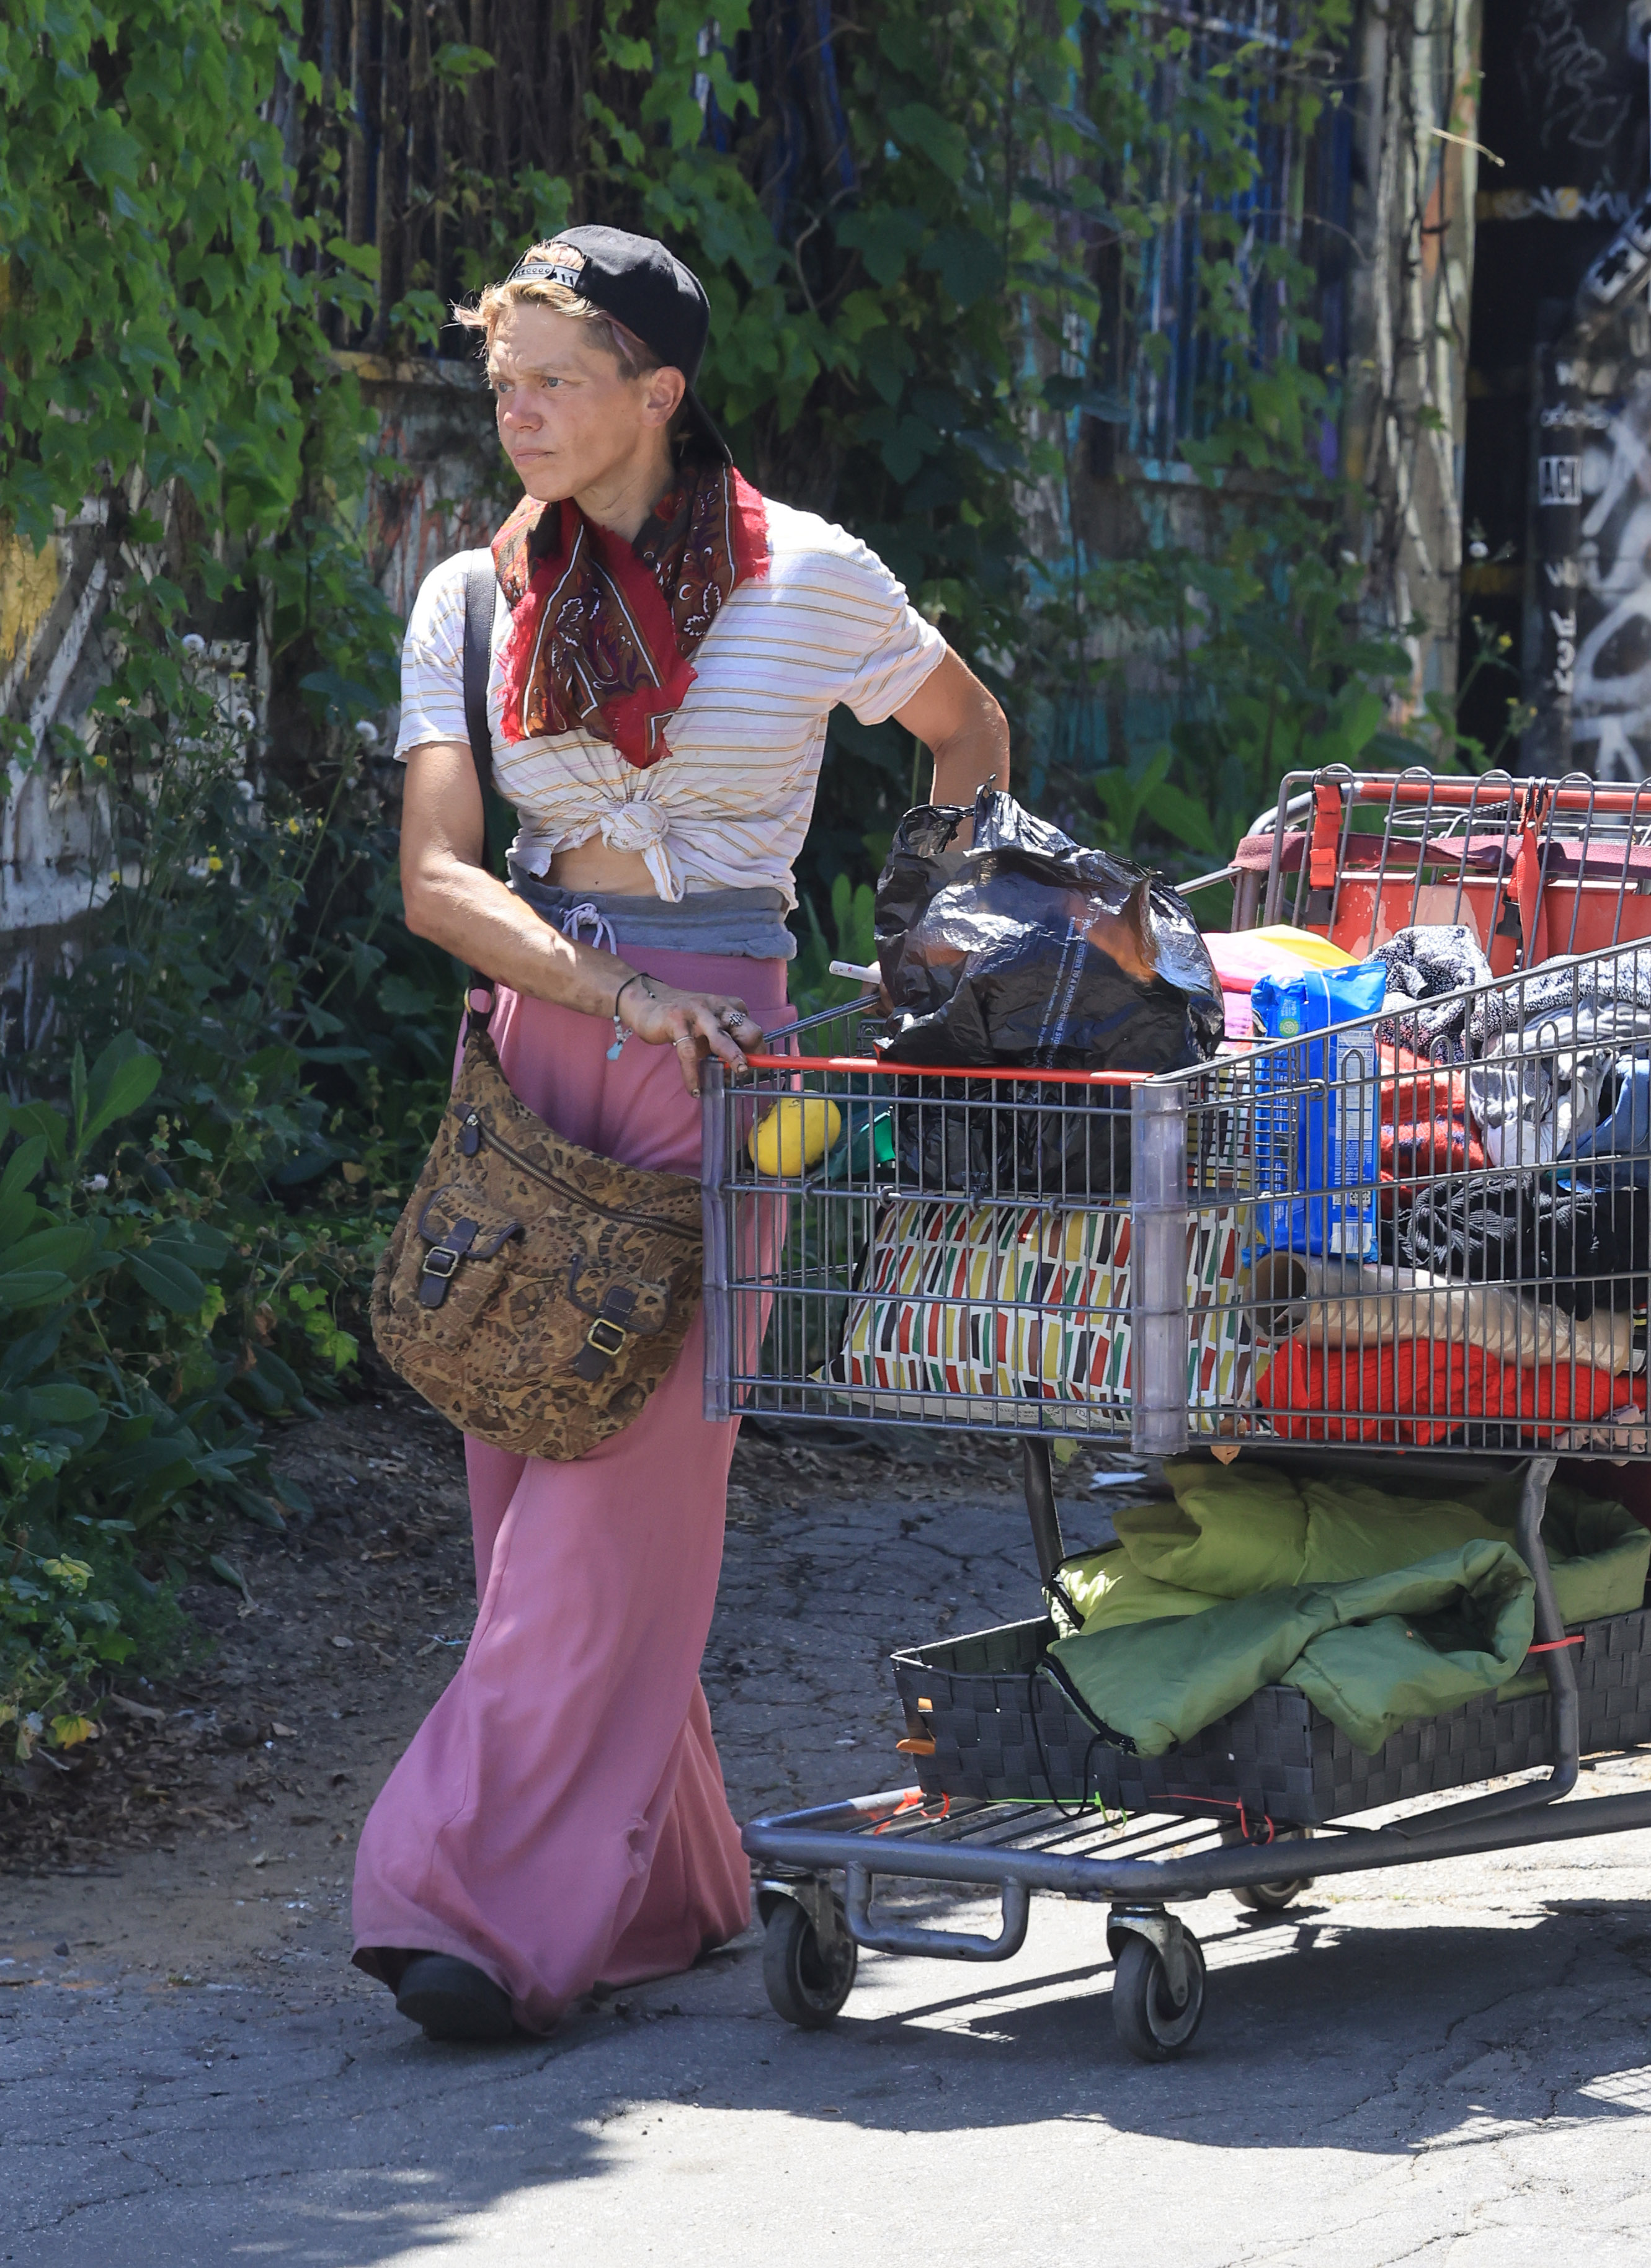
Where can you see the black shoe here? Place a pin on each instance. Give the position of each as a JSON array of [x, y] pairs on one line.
[[452, 1999]]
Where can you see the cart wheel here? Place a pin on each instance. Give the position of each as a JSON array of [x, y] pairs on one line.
[[1148, 2022], [1272, 1897], [807, 1983]]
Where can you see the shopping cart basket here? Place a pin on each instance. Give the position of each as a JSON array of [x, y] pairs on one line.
[[1221, 1262], [1536, 866]]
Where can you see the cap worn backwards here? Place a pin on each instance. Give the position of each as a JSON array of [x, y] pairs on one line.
[[647, 288]]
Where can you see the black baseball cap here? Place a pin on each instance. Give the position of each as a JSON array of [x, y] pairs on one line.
[[644, 287]]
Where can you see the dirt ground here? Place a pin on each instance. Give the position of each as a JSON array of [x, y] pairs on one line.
[[344, 1631], [246, 1776]]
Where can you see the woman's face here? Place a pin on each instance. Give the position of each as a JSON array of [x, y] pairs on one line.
[[568, 416]]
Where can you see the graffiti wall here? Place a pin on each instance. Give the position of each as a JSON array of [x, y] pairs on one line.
[[438, 486], [1611, 695], [1563, 128]]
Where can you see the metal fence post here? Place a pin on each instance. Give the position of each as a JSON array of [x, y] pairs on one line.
[[1158, 1269], [713, 1142]]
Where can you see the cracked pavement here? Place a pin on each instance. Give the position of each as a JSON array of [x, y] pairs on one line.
[[1445, 2065]]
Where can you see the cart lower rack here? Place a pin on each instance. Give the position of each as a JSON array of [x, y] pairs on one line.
[[811, 1936], [1174, 1845]]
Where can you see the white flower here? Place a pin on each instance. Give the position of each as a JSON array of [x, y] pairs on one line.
[[194, 644], [96, 1183], [244, 717], [367, 732]]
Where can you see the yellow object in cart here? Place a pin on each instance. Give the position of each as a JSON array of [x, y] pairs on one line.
[[1316, 952], [796, 1133]]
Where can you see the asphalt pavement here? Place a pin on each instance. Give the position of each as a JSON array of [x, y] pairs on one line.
[[1446, 2064]]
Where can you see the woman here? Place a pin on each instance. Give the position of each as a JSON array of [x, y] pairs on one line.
[[666, 647]]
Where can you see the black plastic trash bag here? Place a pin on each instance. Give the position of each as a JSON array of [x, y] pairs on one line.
[[957, 1134], [1028, 951]]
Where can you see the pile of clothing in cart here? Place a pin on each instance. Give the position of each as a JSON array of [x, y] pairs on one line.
[[1465, 1249]]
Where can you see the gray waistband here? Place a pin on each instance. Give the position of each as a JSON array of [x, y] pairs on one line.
[[745, 925]]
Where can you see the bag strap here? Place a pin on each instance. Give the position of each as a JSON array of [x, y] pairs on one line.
[[481, 594], [481, 587]]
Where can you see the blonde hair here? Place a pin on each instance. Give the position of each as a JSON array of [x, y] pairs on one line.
[[635, 358]]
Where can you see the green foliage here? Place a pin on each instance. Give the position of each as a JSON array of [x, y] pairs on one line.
[[243, 936], [152, 1313], [913, 330], [163, 332], [1165, 688], [915, 335], [68, 1615], [114, 1402], [141, 206], [811, 986], [1259, 667], [163, 322], [188, 1227], [1229, 661]]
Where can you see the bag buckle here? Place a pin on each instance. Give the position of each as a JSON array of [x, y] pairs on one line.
[[604, 1346], [440, 1260]]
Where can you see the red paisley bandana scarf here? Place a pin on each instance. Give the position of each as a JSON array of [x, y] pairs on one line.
[[603, 632]]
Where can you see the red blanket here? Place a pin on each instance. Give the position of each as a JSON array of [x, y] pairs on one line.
[[1419, 1390]]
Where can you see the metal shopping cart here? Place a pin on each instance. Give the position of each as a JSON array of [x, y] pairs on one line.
[[1221, 1263]]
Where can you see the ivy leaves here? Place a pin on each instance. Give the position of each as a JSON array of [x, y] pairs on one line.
[[886, 236], [942, 140], [162, 325], [140, 201], [860, 354]]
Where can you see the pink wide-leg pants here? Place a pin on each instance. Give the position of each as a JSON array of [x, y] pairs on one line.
[[559, 1818]]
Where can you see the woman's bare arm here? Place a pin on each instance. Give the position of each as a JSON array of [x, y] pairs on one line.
[[452, 899], [963, 729]]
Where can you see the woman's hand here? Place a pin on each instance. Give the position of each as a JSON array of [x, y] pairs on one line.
[[695, 1024]]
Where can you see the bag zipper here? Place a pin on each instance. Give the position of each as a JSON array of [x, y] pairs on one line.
[[473, 1117]]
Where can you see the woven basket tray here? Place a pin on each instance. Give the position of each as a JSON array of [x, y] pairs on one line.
[[1003, 1733]]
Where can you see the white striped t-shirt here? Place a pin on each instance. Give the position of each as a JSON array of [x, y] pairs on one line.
[[729, 806]]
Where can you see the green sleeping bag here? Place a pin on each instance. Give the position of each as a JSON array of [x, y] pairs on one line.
[[1381, 1608]]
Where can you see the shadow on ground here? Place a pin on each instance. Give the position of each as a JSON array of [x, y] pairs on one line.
[[202, 2127]]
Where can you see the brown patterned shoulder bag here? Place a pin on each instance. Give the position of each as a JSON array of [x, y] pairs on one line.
[[532, 1292]]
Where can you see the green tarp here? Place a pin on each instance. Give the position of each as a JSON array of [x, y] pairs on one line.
[[1381, 1608]]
